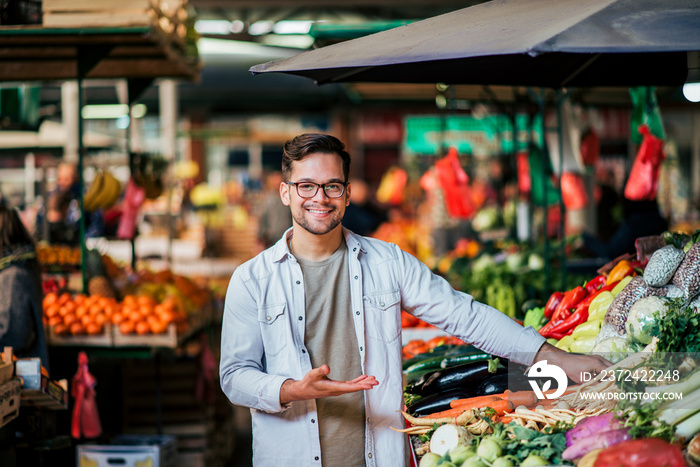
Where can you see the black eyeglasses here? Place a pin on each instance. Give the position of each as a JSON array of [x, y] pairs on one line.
[[309, 189]]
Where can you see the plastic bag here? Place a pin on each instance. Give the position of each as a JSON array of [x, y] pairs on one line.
[[643, 181], [391, 186], [134, 196], [573, 191], [645, 111], [455, 184], [86, 420]]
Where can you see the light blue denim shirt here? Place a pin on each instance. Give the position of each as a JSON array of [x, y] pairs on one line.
[[262, 343]]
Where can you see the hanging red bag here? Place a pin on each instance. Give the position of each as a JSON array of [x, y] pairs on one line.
[[86, 421], [644, 176], [523, 166], [455, 185], [590, 148], [573, 191]]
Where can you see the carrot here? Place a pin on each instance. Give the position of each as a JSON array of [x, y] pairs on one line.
[[500, 406], [474, 402], [447, 413], [505, 420], [526, 398]]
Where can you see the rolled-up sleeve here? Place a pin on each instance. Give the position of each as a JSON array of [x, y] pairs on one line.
[[241, 370], [431, 298]]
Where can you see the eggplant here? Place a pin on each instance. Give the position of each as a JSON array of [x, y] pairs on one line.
[[438, 402], [465, 376], [495, 384]]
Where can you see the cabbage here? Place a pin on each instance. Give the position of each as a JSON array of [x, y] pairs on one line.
[[641, 323], [613, 349]]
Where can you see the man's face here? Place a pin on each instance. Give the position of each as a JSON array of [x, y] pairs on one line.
[[318, 215]]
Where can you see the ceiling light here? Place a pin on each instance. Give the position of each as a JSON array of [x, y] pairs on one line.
[[297, 41], [292, 27], [112, 111], [259, 28], [213, 26], [691, 88]]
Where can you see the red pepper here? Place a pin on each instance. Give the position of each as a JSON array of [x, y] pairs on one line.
[[596, 283], [576, 318], [544, 330], [552, 304], [555, 335], [570, 300], [647, 452]]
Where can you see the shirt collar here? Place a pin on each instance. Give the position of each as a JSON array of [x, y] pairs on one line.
[[280, 250]]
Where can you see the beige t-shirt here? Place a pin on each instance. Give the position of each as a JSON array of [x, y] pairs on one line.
[[330, 339]]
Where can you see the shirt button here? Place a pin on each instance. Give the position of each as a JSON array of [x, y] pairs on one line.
[[269, 318], [357, 313], [313, 421], [299, 282], [354, 249], [316, 458], [355, 277], [303, 351], [381, 304], [360, 349], [300, 318], [369, 455]]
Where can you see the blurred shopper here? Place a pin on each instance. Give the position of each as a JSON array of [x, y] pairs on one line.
[[641, 219], [275, 217], [361, 216], [20, 290], [311, 335], [62, 210]]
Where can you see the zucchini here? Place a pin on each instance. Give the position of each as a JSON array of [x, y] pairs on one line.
[[465, 376], [441, 350], [459, 359], [437, 402], [434, 362]]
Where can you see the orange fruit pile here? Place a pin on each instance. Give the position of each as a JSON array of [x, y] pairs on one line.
[[87, 314]]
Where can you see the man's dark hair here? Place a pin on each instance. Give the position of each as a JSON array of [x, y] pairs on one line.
[[309, 143]]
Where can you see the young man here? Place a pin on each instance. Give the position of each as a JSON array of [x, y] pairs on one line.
[[307, 322]]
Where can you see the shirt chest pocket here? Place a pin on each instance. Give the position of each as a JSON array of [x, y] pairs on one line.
[[383, 315], [274, 327]]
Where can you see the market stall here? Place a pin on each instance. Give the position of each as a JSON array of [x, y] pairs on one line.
[[464, 408]]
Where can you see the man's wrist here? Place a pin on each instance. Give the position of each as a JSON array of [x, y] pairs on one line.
[[548, 352], [287, 392]]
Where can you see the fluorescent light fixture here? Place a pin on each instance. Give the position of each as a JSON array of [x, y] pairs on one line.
[[105, 111], [211, 47], [112, 111], [297, 41], [213, 26], [259, 28], [292, 27]]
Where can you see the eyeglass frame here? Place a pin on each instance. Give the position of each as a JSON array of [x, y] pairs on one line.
[[320, 185]]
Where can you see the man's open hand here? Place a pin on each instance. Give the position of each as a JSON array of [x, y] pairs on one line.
[[316, 384], [572, 364]]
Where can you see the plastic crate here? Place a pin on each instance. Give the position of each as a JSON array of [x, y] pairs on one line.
[[130, 451]]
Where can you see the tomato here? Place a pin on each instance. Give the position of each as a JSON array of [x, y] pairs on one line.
[[650, 452]]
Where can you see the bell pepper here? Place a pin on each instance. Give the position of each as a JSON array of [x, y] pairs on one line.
[[564, 343], [600, 304], [596, 283], [582, 345], [552, 304], [590, 328], [570, 300], [621, 270], [621, 285], [647, 452]]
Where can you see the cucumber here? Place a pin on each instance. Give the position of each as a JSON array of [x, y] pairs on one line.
[[435, 361], [459, 359]]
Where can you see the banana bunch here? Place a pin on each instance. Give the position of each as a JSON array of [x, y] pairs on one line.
[[103, 192]]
